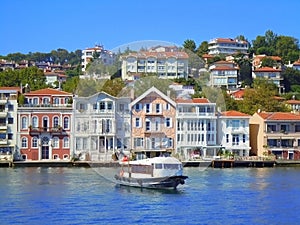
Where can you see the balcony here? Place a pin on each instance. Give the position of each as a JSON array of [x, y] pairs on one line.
[[38, 130], [3, 141], [3, 114], [3, 126]]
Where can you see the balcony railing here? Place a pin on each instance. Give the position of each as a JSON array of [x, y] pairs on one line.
[[46, 129], [46, 105]]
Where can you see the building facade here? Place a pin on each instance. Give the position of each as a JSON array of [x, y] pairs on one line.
[[8, 122], [233, 132], [168, 65], [227, 46], [276, 133], [107, 57], [44, 125], [196, 128], [153, 122], [224, 74], [101, 126]]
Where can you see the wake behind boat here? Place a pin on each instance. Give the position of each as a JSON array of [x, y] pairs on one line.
[[163, 172]]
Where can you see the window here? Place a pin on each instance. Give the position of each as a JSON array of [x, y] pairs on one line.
[[137, 122], [9, 136], [55, 121], [138, 142], [168, 106], [46, 101], [10, 107], [170, 142], [24, 142], [109, 105], [24, 124], [102, 105], [10, 120], [138, 107], [35, 101], [157, 108], [67, 100], [148, 125], [66, 123], [235, 139], [55, 142], [34, 122], [168, 122], [56, 101], [244, 138], [235, 124], [147, 108], [66, 142], [34, 142], [227, 138], [95, 106], [2, 136]]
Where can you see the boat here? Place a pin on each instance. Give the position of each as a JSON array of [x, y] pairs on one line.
[[162, 172]]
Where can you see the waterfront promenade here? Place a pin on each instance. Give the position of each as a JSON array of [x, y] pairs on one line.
[[218, 163]]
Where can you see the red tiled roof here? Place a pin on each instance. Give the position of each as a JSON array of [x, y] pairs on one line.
[[266, 69], [227, 40], [234, 113], [223, 62], [297, 63], [224, 68], [278, 98], [238, 94], [279, 116], [207, 56], [10, 89], [48, 91], [292, 101]]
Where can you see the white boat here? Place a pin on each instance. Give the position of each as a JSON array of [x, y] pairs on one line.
[[163, 172]]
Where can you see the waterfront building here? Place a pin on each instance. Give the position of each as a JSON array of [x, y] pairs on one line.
[[167, 65], [227, 46], [233, 132], [153, 122], [44, 125], [101, 126], [276, 133], [224, 74], [107, 57], [196, 128], [8, 121], [271, 74]]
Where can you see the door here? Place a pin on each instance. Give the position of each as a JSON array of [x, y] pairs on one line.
[[45, 123], [45, 152]]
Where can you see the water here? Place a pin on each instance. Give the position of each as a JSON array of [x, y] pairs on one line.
[[87, 196]]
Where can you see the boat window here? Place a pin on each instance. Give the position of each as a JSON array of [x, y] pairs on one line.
[[171, 166], [158, 166], [141, 169]]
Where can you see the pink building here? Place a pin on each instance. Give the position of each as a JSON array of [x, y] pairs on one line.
[[44, 127]]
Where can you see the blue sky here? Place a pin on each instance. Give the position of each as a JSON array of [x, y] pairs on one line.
[[42, 26]]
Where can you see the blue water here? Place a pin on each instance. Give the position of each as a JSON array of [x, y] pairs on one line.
[[87, 196]]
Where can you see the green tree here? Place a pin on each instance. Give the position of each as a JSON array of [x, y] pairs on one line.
[[113, 86], [261, 97], [290, 77], [268, 61], [202, 49], [190, 45]]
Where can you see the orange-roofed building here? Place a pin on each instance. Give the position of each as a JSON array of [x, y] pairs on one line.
[[276, 133], [224, 74], [45, 121], [233, 132], [271, 74], [227, 46], [293, 104], [196, 128], [257, 60]]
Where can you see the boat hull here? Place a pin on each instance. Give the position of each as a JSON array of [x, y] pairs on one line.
[[155, 183]]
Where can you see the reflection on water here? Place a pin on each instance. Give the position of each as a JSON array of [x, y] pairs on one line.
[[90, 196]]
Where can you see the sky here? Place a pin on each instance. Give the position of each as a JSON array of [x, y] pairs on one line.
[[43, 26]]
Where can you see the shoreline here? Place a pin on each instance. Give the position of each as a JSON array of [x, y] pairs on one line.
[[219, 163]]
